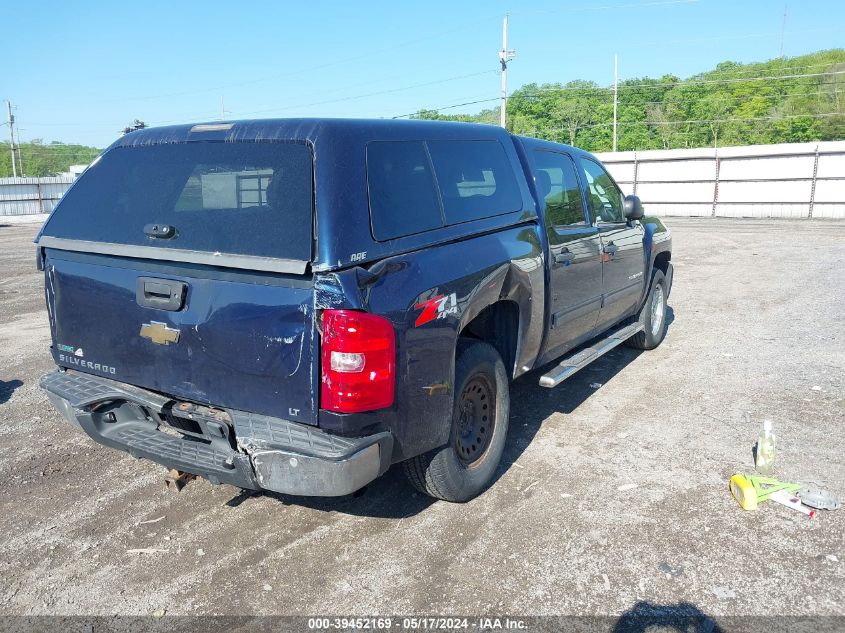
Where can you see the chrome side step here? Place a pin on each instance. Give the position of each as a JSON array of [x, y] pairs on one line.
[[581, 359]]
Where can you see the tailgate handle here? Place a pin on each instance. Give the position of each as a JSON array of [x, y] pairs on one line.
[[162, 294], [161, 231]]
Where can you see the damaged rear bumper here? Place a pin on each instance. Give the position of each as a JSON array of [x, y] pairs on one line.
[[248, 450]]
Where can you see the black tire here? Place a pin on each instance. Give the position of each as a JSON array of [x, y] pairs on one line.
[[652, 335], [463, 468]]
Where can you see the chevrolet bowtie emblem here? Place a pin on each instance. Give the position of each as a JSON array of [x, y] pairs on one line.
[[159, 333]]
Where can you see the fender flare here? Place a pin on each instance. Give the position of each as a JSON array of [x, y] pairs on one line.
[[524, 288], [650, 252], [648, 260]]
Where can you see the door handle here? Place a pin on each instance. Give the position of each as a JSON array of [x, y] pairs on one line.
[[610, 248]]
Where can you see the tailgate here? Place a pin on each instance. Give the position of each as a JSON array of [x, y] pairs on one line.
[[181, 267], [239, 340]]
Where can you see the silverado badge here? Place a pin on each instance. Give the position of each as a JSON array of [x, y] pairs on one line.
[[159, 333]]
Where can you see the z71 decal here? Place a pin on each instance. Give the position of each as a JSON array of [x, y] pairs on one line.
[[436, 308]]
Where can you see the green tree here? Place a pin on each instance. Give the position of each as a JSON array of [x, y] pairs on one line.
[[40, 159], [780, 100]]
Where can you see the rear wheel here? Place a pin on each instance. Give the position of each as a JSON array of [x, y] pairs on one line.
[[652, 315], [464, 467]]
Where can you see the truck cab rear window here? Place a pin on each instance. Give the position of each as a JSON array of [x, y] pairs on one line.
[[238, 198], [474, 179]]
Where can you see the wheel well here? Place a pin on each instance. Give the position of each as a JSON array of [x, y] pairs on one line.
[[498, 325], [661, 261]]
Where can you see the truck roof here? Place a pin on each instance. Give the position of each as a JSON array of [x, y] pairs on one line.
[[315, 130], [324, 130], [552, 145]]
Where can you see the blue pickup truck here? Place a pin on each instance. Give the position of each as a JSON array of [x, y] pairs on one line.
[[296, 305]]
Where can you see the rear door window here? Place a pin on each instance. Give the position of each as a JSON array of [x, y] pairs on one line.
[[476, 179], [558, 190], [238, 198]]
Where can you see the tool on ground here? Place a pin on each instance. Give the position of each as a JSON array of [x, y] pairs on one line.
[[791, 500], [819, 499], [752, 490]]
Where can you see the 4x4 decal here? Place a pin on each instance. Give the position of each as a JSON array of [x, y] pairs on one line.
[[436, 308]]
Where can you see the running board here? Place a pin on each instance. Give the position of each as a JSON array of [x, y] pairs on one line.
[[581, 359]]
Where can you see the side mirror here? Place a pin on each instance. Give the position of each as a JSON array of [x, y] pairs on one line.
[[633, 208]]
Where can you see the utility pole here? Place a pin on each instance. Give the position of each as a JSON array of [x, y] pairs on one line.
[[783, 28], [615, 95], [223, 110], [504, 57], [12, 138]]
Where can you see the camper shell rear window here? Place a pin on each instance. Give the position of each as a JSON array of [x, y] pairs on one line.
[[244, 198]]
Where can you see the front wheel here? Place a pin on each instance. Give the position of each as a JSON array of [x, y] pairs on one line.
[[652, 315], [463, 468]]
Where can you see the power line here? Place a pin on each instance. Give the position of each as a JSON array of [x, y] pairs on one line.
[[448, 107], [636, 5], [759, 71], [746, 36], [724, 98], [300, 105], [535, 94], [707, 121], [682, 82], [744, 98], [369, 94], [692, 82], [538, 94], [111, 125], [348, 60], [744, 119], [737, 79], [309, 69]]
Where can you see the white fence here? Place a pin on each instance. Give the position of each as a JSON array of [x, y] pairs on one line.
[[25, 196], [790, 180]]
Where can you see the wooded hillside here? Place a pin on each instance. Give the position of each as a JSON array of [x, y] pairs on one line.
[[41, 159], [783, 100]]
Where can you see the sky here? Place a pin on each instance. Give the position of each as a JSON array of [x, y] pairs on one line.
[[80, 72]]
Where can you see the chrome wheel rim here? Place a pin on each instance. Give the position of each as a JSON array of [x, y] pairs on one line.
[[658, 309]]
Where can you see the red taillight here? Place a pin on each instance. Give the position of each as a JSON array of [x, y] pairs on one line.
[[359, 361]]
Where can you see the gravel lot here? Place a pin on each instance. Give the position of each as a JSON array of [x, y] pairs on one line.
[[613, 491]]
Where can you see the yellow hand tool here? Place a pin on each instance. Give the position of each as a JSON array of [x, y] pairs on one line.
[[751, 490]]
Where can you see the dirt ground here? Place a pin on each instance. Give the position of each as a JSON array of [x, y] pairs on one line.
[[613, 490]]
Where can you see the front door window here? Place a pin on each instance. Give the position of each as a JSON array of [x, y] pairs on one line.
[[604, 196]]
